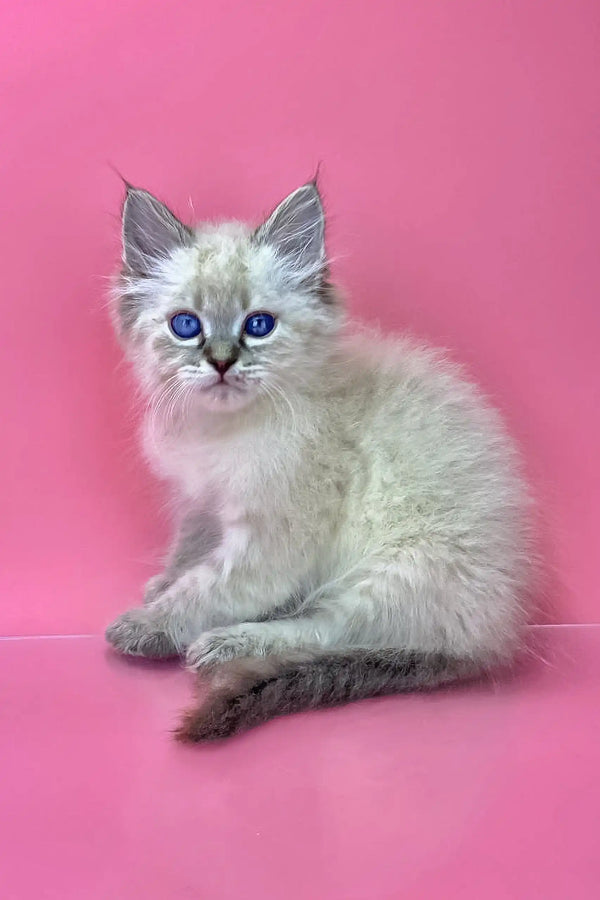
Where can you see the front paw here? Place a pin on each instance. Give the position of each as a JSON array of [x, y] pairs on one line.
[[221, 645], [135, 634]]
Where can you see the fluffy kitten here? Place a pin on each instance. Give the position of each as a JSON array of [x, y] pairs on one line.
[[351, 517]]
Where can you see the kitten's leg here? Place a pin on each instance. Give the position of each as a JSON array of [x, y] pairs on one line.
[[342, 617], [256, 639], [157, 585], [158, 630], [198, 534], [332, 626], [200, 600], [168, 623], [403, 604]]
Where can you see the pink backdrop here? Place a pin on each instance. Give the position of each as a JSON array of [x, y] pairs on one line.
[[460, 155]]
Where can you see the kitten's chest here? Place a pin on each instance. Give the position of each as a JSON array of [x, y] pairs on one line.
[[276, 498], [249, 491], [279, 502], [253, 473]]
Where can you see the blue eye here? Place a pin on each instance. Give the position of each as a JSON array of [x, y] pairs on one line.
[[259, 324], [186, 325]]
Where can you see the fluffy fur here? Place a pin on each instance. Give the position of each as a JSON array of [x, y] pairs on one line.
[[351, 518]]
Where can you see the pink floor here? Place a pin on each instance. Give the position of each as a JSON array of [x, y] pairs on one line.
[[482, 792]]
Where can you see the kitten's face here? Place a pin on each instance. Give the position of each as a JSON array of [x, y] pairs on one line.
[[223, 315]]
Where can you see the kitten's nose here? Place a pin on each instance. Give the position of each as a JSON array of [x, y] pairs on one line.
[[221, 357], [221, 365]]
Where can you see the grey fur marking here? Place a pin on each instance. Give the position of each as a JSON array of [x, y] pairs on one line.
[[200, 534]]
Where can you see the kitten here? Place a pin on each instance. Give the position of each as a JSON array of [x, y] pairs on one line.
[[351, 515]]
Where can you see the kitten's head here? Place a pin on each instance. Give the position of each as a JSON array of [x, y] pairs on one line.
[[225, 313]]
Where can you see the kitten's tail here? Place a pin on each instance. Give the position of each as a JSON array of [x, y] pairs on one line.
[[247, 692]]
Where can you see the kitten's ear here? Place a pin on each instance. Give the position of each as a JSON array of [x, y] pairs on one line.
[[150, 231], [296, 230]]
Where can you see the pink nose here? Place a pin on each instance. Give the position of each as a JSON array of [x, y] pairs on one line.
[[221, 365]]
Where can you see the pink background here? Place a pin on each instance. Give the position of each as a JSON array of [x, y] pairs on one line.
[[460, 152]]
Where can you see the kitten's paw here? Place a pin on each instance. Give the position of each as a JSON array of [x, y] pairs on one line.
[[135, 634], [222, 645]]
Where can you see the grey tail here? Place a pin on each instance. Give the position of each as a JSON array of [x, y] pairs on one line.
[[244, 693]]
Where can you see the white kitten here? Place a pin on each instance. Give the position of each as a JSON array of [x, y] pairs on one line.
[[351, 520]]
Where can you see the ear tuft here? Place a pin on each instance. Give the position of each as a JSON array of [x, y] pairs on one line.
[[150, 231]]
